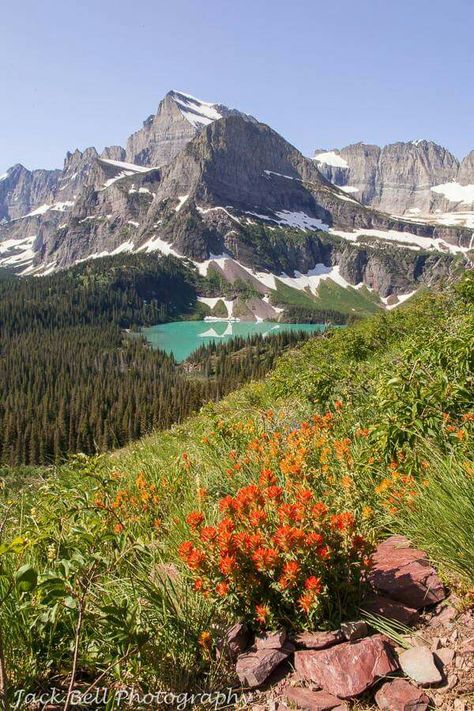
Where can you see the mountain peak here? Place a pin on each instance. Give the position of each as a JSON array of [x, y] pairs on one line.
[[199, 113]]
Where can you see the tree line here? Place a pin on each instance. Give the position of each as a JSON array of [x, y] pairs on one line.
[[73, 380]]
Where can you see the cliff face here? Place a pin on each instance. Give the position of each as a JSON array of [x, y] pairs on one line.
[[22, 190], [419, 177]]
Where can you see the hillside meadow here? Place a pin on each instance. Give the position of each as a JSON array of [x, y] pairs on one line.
[[125, 568]]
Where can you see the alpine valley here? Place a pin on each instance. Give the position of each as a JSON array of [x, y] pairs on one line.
[[279, 235]]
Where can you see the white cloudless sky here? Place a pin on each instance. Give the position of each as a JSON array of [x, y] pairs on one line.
[[75, 73]]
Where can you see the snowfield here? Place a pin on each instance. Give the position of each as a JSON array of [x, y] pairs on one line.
[[331, 158]]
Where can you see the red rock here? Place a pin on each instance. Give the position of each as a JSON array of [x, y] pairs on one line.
[[236, 640], [271, 640], [254, 669], [318, 640], [314, 700], [404, 574], [400, 695], [350, 668], [391, 610]]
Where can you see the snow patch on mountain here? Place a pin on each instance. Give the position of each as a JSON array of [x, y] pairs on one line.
[[407, 238], [181, 200], [331, 158], [125, 170], [198, 113], [454, 192], [300, 220], [17, 252]]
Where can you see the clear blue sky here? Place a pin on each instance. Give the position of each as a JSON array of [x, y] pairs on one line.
[[323, 73]]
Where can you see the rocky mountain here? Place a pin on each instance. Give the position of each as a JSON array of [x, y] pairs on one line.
[[178, 119], [214, 186], [414, 178]]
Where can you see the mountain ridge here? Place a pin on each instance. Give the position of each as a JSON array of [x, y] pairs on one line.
[[220, 176]]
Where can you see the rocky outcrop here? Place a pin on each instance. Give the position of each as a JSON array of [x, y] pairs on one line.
[[401, 178]]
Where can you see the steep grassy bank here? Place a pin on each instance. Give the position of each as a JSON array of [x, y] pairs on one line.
[[130, 563]]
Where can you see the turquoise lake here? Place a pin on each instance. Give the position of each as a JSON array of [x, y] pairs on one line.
[[181, 338]]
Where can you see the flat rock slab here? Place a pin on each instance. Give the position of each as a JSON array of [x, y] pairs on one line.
[[350, 668], [405, 574], [254, 669], [391, 610], [314, 700], [418, 663], [319, 640], [400, 695]]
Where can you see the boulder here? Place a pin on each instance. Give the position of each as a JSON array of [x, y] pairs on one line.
[[319, 640], [400, 695], [391, 610], [253, 669], [418, 663], [350, 668], [405, 574], [314, 700], [236, 640]]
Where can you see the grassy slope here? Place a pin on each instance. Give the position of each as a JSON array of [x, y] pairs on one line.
[[330, 297], [405, 383]]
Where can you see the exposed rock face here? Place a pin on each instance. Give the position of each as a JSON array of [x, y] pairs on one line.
[[22, 190], [399, 178], [178, 119]]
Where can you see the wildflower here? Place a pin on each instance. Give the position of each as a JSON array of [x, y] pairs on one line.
[[274, 492], [338, 404], [262, 613], [208, 534], [195, 519], [227, 564], [222, 589], [314, 539], [257, 517], [367, 512], [291, 570], [118, 528], [342, 521], [267, 477], [205, 640], [199, 585], [306, 601], [319, 510], [265, 558], [201, 493], [314, 584]]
